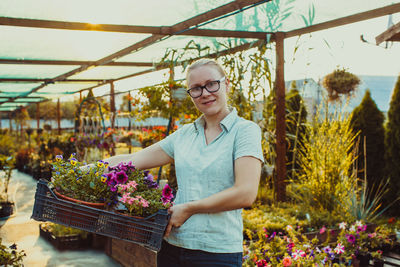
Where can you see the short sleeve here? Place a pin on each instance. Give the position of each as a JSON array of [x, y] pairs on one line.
[[167, 144], [248, 141]]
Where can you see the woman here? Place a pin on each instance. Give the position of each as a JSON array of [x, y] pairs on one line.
[[218, 164]]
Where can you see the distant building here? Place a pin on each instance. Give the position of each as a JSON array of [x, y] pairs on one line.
[[381, 88]]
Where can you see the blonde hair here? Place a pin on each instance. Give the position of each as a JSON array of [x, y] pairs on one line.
[[203, 62]]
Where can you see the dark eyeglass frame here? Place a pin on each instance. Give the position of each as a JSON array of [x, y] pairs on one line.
[[205, 87]]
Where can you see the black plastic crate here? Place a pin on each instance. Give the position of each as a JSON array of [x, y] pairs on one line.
[[147, 232], [67, 242]]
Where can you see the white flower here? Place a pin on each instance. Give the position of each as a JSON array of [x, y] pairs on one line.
[[289, 227], [353, 228], [343, 225], [359, 223]]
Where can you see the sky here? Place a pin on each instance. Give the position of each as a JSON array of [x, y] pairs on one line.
[[321, 52]]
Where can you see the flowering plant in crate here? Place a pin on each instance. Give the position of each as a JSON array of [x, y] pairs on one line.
[[89, 184], [139, 193]]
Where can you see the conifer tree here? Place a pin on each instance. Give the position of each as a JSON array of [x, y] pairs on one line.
[[392, 144], [368, 120], [296, 117]]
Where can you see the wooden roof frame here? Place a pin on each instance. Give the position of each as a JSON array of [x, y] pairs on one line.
[[391, 34]]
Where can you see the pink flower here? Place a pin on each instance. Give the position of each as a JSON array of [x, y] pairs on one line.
[[372, 235], [144, 203], [167, 192], [339, 249], [342, 225], [322, 230]]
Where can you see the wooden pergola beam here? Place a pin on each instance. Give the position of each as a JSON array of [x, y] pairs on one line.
[[49, 81], [371, 14], [163, 30], [391, 34], [182, 26], [71, 62]]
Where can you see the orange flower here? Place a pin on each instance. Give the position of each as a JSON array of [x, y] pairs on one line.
[[392, 220], [287, 261], [186, 116]]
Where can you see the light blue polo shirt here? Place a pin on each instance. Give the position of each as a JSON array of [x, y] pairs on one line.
[[203, 170]]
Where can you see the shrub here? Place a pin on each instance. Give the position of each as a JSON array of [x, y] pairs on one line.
[[392, 143], [368, 120], [325, 178]]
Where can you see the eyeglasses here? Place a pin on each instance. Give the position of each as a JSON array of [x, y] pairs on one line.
[[211, 87]]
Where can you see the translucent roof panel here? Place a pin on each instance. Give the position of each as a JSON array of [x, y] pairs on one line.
[[126, 12], [154, 53], [52, 44], [32, 71], [287, 15], [107, 72], [12, 104], [17, 87], [28, 100], [64, 88]]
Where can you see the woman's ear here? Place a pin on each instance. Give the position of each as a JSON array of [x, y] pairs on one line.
[[227, 84]]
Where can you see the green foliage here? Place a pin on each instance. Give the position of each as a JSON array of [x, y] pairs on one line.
[[340, 82], [325, 177], [10, 256], [365, 203], [59, 230], [392, 143], [296, 119], [7, 144], [86, 184], [7, 164], [368, 120]]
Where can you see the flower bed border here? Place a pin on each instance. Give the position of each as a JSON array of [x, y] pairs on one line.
[[48, 207]]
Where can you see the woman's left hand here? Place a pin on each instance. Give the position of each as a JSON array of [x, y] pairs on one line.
[[179, 214]]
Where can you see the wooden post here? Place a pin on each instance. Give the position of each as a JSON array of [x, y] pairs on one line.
[[280, 187], [37, 115], [112, 107], [112, 104], [80, 97], [10, 120], [58, 116]]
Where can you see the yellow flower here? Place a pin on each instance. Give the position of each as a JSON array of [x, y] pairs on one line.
[[73, 161], [100, 164], [71, 171], [104, 178]]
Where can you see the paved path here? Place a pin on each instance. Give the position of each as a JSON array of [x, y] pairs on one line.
[[24, 231]]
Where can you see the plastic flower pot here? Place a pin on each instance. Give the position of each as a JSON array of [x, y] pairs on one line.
[[378, 263], [364, 259], [6, 209], [77, 217]]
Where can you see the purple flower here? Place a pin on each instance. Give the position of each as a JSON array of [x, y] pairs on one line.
[[327, 249], [351, 238], [121, 177], [167, 193], [273, 235]]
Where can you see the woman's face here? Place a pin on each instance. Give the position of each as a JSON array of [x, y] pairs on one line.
[[209, 103]]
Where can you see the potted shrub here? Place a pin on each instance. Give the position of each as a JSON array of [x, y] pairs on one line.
[[10, 256], [6, 206]]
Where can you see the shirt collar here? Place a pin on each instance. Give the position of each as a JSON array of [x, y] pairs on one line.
[[226, 123]]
